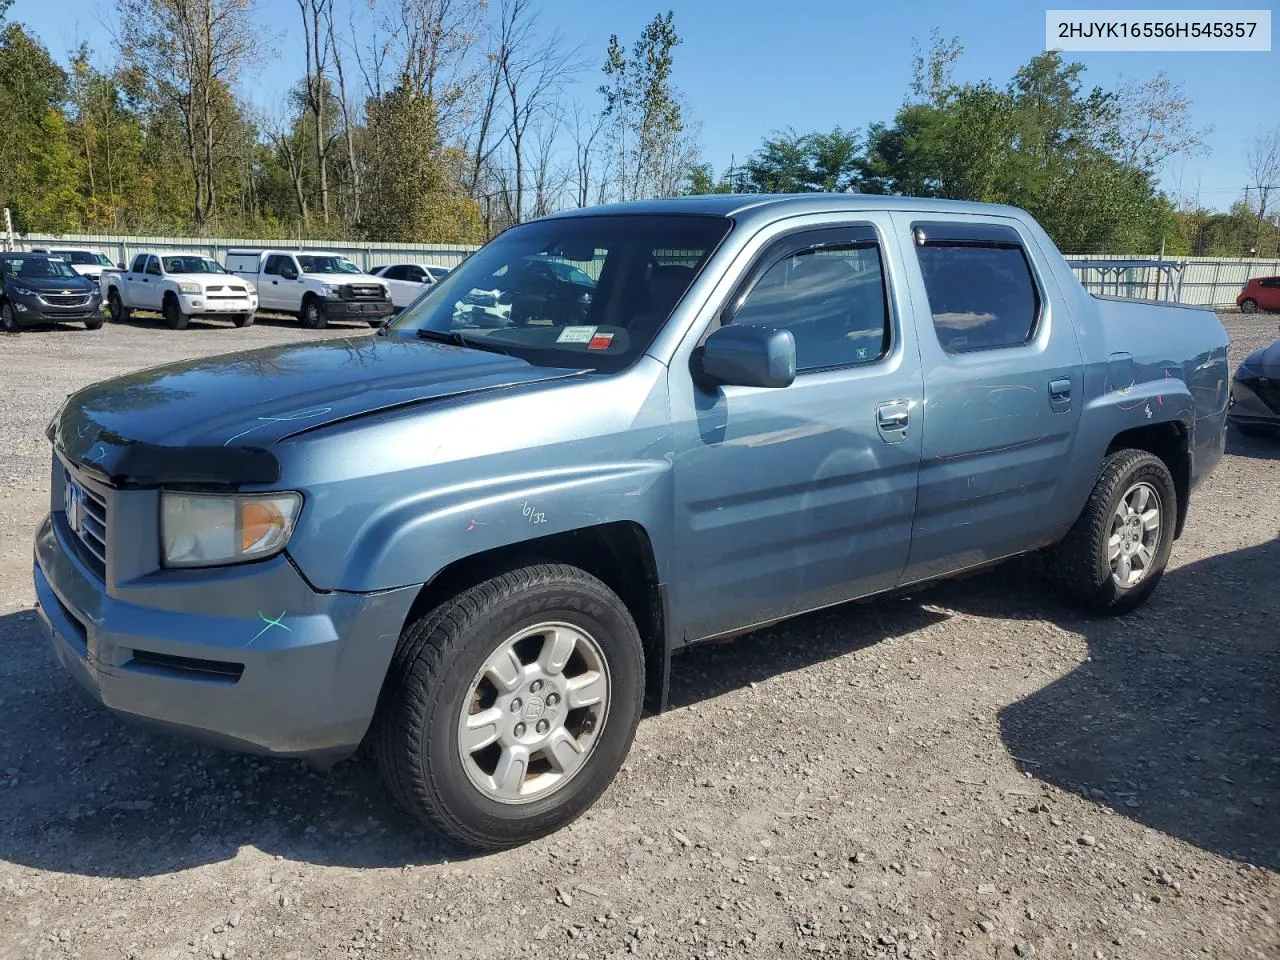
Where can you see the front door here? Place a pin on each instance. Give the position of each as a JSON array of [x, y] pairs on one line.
[[1002, 395], [795, 498], [152, 283], [272, 293]]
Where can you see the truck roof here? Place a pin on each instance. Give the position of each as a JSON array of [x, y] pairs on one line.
[[775, 206]]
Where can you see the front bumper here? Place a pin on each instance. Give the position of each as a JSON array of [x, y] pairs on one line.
[[247, 657], [335, 308], [33, 310], [1255, 401], [199, 305]]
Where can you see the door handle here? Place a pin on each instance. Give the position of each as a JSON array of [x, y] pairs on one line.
[[893, 415], [892, 419], [1060, 389]]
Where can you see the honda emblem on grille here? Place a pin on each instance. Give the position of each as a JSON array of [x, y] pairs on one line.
[[73, 504]]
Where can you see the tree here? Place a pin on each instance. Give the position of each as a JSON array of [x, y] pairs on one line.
[[1263, 160], [191, 53], [410, 195], [646, 122]]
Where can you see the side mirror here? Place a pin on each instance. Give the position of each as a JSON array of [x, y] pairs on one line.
[[121, 266], [288, 273], [748, 356]]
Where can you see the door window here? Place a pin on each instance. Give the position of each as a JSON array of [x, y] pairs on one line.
[[139, 263], [832, 299], [153, 266], [274, 263], [395, 273], [979, 283]]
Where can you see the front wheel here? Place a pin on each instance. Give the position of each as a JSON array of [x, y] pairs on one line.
[[116, 307], [243, 319], [312, 316], [1115, 554], [509, 708], [1249, 305], [8, 318], [173, 315], [94, 322]]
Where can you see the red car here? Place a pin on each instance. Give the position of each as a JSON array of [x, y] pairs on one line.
[[1260, 293]]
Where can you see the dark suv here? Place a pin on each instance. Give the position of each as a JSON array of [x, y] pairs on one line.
[[39, 289]]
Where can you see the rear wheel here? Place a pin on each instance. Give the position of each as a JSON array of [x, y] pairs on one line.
[[312, 316], [509, 708], [116, 306], [1249, 305], [243, 319], [1115, 554], [173, 315], [8, 319]]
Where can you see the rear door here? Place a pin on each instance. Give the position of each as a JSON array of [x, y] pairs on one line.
[[796, 498], [1269, 290], [1002, 392]]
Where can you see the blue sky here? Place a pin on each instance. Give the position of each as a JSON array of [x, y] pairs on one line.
[[749, 67]]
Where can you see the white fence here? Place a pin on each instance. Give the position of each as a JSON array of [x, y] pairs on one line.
[[1212, 281], [366, 255], [1199, 280]]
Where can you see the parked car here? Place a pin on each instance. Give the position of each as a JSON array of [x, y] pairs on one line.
[[479, 545], [1255, 393], [407, 281], [179, 287], [316, 287], [40, 289], [1260, 293], [86, 262]]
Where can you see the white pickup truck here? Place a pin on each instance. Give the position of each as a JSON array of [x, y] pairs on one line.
[[316, 287], [179, 287]]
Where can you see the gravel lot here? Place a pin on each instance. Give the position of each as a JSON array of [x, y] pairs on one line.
[[970, 771]]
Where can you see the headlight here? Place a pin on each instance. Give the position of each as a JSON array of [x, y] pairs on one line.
[[188, 286], [251, 286], [209, 530], [23, 291], [331, 289]]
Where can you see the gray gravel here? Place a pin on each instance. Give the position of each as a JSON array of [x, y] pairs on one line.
[[970, 771]]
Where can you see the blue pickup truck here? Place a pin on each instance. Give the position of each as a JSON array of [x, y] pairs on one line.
[[475, 538]]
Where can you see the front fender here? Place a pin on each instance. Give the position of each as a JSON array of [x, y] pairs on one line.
[[412, 540]]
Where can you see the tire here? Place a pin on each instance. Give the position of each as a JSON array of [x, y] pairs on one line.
[[1081, 566], [312, 316], [243, 319], [8, 318], [173, 315], [1249, 305], [95, 323], [438, 671], [115, 306]]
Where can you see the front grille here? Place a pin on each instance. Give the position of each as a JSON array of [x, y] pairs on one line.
[[65, 300], [356, 291], [88, 522], [1268, 391]]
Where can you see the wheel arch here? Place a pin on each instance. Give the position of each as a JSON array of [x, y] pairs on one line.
[[620, 554], [1170, 442]]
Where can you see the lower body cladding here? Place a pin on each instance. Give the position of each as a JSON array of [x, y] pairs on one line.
[[216, 306], [258, 662], [1255, 402], [335, 308]]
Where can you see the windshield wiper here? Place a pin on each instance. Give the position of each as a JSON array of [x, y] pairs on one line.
[[459, 340]]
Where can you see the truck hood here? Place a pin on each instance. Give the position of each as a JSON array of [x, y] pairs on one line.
[[342, 278], [213, 420]]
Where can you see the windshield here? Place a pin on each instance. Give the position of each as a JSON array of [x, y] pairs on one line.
[[36, 267], [83, 257], [585, 291], [327, 264], [191, 265]]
